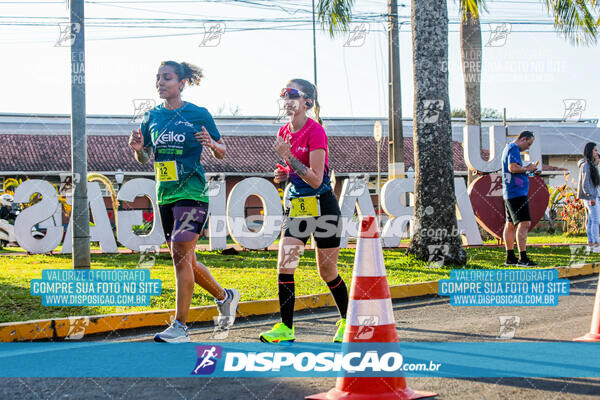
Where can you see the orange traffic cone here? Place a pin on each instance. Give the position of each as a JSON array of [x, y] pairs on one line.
[[370, 319], [594, 334]]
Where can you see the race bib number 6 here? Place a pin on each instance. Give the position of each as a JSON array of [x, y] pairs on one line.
[[304, 207], [166, 171]]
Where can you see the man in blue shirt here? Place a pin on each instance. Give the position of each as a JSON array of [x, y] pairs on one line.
[[515, 187]]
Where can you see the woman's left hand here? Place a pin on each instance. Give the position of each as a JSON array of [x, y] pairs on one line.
[[205, 139], [282, 148]]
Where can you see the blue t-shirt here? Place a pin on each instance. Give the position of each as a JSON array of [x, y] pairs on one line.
[[513, 185], [170, 133]]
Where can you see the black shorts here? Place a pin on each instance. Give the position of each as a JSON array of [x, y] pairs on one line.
[[326, 229], [517, 209], [182, 220]]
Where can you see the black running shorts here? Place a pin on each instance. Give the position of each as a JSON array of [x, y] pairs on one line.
[[325, 229], [517, 209], [182, 220]]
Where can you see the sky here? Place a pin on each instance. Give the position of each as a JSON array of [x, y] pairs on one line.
[[260, 45]]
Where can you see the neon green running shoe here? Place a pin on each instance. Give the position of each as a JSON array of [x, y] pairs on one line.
[[280, 333], [339, 335]]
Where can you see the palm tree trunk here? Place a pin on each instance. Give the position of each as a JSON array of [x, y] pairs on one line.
[[470, 46], [435, 203]]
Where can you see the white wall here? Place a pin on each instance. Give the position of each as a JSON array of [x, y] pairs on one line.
[[567, 162]]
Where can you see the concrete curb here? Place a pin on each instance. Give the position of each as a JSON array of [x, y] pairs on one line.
[[274, 247], [59, 328]]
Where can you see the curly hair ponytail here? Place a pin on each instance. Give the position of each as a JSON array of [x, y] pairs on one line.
[[186, 72], [192, 73]]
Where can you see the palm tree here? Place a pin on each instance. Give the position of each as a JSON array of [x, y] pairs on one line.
[[435, 224], [436, 228], [470, 48], [573, 19], [434, 185], [335, 15]]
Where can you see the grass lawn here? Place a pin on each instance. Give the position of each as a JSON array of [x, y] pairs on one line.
[[251, 272], [542, 238]]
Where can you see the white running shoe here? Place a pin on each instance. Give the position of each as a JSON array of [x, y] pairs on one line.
[[175, 333], [228, 309]]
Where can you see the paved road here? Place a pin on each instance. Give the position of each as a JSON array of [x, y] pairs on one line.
[[428, 319]]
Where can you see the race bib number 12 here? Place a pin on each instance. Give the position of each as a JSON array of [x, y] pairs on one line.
[[166, 171]]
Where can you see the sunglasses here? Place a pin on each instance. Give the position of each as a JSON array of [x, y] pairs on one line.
[[291, 93]]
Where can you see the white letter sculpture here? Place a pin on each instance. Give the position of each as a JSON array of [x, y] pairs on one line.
[[36, 214], [401, 217], [101, 231], [217, 208], [126, 219], [273, 213], [354, 190], [467, 224], [472, 148]]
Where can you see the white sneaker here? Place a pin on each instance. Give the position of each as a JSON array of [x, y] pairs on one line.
[[596, 249], [228, 308], [175, 333]]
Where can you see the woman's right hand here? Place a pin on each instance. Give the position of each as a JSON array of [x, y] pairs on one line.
[[136, 141], [593, 202], [280, 175]]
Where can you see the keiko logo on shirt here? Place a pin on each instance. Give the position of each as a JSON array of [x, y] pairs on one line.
[[170, 136], [302, 149]]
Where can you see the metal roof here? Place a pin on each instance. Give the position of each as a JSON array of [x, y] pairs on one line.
[[558, 137]]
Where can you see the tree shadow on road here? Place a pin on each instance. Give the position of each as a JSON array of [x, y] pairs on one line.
[[579, 386]]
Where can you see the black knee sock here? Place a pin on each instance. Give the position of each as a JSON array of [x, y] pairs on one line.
[[340, 294], [287, 298], [510, 254], [523, 255]]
